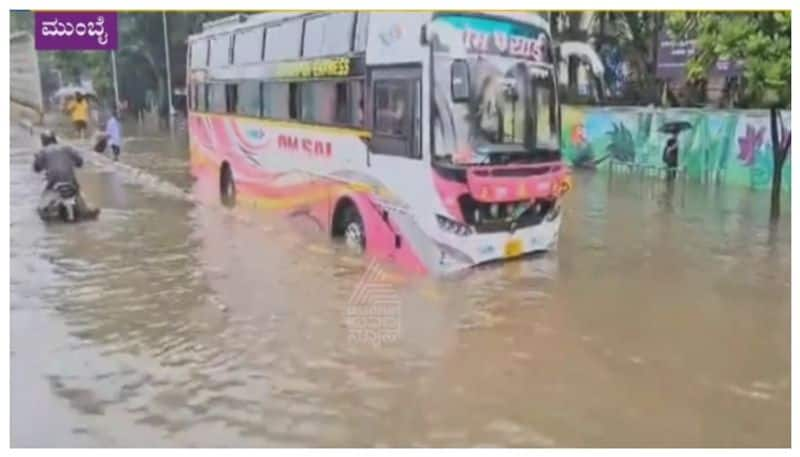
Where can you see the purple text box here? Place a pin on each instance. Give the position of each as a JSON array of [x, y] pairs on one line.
[[75, 31]]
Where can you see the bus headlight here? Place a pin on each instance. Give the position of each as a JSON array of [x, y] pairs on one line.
[[451, 226], [449, 252], [562, 186]]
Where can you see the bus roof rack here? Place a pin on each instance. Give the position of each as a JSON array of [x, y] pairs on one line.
[[232, 19]]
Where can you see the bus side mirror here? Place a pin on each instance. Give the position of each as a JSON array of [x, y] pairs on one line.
[[459, 80]]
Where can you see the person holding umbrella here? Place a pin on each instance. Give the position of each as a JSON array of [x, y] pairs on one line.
[[670, 154]]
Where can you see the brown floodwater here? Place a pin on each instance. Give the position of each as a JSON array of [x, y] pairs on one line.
[[663, 319]]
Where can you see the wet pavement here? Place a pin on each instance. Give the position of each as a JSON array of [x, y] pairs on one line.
[[662, 320]]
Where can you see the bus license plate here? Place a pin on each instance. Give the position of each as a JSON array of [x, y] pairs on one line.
[[513, 248]]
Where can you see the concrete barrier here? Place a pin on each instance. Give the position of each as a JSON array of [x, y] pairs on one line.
[[28, 114], [25, 79]]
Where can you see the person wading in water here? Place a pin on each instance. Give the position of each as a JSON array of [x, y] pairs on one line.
[[670, 156], [78, 110]]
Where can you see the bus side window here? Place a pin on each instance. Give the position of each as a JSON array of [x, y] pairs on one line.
[[325, 102], [391, 108], [248, 99], [284, 41], [275, 100], [220, 51], [248, 46], [294, 101], [200, 98], [395, 123], [216, 98]]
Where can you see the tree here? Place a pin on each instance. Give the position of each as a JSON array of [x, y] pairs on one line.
[[781, 142], [142, 47], [762, 41], [74, 65]]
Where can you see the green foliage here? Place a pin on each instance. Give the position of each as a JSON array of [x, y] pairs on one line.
[[762, 40], [721, 141], [583, 157], [621, 146], [761, 170], [94, 64]]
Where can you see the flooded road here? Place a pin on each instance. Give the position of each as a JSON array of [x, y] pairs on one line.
[[662, 320]]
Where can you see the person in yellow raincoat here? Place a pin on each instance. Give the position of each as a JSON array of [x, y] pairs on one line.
[[78, 110]]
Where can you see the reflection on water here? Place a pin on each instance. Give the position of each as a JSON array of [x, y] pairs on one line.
[[662, 320]]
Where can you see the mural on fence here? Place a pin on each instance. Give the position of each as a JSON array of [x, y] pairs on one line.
[[734, 146]]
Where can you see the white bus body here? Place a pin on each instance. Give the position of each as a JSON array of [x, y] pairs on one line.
[[432, 139]]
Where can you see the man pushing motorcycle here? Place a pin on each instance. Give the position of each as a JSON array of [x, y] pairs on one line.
[[61, 186]]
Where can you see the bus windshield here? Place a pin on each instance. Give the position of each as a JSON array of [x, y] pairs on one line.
[[511, 110], [518, 109]]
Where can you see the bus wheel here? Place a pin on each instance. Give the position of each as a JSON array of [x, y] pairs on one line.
[[227, 186], [350, 228], [354, 236]]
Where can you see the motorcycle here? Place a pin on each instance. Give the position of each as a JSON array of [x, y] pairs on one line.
[[60, 203]]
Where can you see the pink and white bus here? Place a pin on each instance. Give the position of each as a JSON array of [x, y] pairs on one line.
[[431, 139]]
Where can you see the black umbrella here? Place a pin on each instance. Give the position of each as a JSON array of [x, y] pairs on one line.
[[675, 127]]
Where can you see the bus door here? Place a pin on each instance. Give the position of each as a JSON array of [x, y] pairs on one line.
[[395, 119], [396, 153]]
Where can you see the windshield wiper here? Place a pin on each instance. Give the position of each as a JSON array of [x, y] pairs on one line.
[[548, 153], [501, 148]]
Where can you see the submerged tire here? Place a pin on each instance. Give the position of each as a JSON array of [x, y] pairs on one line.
[[351, 229], [227, 187]]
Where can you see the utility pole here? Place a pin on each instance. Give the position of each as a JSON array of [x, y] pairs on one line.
[[114, 74], [169, 74]]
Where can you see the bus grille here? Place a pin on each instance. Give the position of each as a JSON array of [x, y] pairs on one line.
[[486, 219]]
